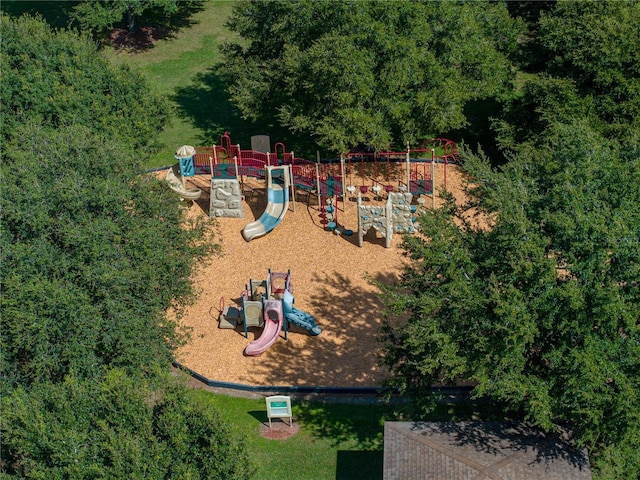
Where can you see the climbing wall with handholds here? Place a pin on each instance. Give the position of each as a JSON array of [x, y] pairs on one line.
[[402, 212], [226, 198], [398, 215], [377, 217]]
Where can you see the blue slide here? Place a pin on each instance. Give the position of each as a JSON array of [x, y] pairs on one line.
[[277, 204], [298, 317]]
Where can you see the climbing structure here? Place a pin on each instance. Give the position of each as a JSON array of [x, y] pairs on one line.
[[226, 198], [397, 215], [268, 304]]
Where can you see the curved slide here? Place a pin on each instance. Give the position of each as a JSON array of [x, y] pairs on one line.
[[278, 182], [273, 319], [176, 183]]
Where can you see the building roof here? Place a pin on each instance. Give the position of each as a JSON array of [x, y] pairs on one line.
[[479, 450]]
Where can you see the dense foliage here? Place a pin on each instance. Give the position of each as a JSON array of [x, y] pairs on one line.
[[531, 290], [93, 254], [59, 79], [587, 65], [119, 428], [367, 72]]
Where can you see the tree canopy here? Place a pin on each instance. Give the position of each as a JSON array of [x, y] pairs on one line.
[[531, 290], [586, 65], [93, 252], [118, 428], [92, 255], [59, 79], [99, 16], [85, 281], [367, 72], [595, 44], [538, 302]]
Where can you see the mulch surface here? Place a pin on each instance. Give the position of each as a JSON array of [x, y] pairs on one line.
[[332, 278], [279, 430]]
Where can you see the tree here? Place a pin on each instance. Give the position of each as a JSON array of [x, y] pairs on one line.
[[92, 256], [531, 291], [93, 252], [587, 66], [60, 79], [99, 16], [596, 45], [117, 428], [378, 73]]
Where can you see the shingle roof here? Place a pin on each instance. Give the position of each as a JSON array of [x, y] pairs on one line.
[[479, 450]]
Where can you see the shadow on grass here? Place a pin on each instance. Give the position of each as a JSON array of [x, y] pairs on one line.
[[54, 13], [206, 103], [358, 464], [179, 20], [260, 416], [358, 426], [154, 25]]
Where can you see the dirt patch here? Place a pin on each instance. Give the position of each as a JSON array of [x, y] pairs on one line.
[[145, 37], [279, 430]]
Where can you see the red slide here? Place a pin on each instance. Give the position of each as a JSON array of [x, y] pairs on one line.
[[273, 319]]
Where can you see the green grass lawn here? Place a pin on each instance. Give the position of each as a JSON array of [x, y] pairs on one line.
[[184, 68], [335, 441]]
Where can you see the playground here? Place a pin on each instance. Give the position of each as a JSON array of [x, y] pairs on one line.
[[329, 271]]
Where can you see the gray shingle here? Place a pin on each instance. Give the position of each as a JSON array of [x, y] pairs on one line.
[[479, 450]]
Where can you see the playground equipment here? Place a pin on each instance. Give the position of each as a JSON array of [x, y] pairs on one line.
[[406, 171], [397, 215], [267, 303], [330, 213], [410, 171], [273, 321], [176, 174], [278, 182]]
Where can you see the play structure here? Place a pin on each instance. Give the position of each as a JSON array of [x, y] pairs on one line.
[[268, 304], [175, 178], [410, 173], [398, 215]]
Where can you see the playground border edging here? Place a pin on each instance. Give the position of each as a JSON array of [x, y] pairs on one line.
[[447, 393]]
